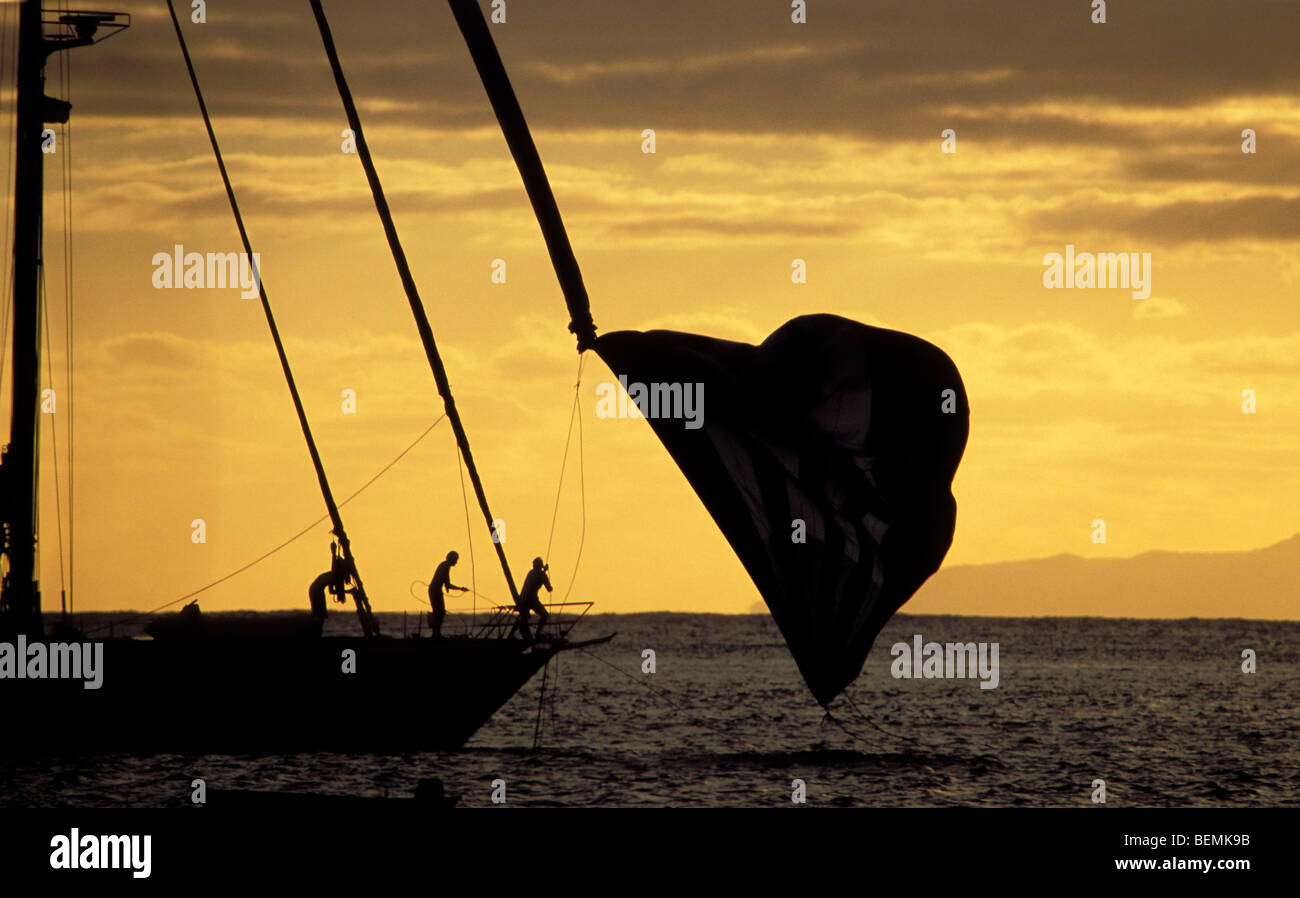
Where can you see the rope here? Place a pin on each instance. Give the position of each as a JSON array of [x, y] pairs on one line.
[[865, 719], [69, 284], [551, 689], [575, 413], [831, 718], [423, 599], [469, 534], [65, 208], [54, 443], [582, 492], [541, 700], [301, 533], [454, 615], [555, 688], [564, 461]]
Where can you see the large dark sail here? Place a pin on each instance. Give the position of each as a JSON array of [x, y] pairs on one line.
[[826, 456]]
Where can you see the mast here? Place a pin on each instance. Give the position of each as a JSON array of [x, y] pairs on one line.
[[20, 595], [408, 284]]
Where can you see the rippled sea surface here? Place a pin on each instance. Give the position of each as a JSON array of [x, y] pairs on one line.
[[1160, 710]]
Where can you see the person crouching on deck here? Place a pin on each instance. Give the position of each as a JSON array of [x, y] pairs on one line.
[[334, 581], [438, 587], [528, 600]]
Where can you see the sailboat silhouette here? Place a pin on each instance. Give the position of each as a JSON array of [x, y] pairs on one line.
[[826, 459], [217, 685]]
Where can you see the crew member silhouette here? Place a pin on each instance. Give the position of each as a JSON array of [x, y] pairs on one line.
[[334, 580], [438, 587], [528, 600]]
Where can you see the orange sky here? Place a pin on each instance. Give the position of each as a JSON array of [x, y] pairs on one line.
[[774, 142]]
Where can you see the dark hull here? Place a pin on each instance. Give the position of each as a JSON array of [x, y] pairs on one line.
[[281, 694]]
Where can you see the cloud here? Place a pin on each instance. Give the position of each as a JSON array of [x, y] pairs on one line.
[[1159, 307], [152, 350], [1171, 223], [855, 69], [1065, 371]]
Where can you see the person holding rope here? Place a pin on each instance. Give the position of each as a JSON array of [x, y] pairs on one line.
[[529, 602], [333, 581], [438, 587]]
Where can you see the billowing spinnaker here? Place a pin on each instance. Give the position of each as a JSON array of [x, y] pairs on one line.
[[847, 428]]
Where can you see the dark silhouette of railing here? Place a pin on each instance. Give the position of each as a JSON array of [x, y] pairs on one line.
[[503, 622]]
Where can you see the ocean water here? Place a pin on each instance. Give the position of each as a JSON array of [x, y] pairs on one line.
[[1159, 710]]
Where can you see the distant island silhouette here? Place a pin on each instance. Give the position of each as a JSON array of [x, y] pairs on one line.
[[1256, 584]]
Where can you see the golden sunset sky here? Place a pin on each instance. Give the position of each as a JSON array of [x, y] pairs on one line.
[[775, 141]]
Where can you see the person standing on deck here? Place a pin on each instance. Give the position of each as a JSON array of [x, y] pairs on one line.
[[528, 600], [438, 587]]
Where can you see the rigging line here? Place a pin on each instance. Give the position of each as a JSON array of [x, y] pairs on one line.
[[546, 700], [582, 493], [469, 536], [453, 614], [541, 701], [831, 718], [452, 610], [668, 697], [564, 460], [65, 208], [368, 623], [54, 440], [301, 533], [555, 688], [69, 287], [868, 720], [475, 596]]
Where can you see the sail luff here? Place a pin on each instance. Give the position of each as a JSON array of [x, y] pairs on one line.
[[492, 72], [408, 285], [368, 623]]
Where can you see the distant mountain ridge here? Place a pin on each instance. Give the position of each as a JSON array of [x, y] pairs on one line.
[[1259, 584]]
